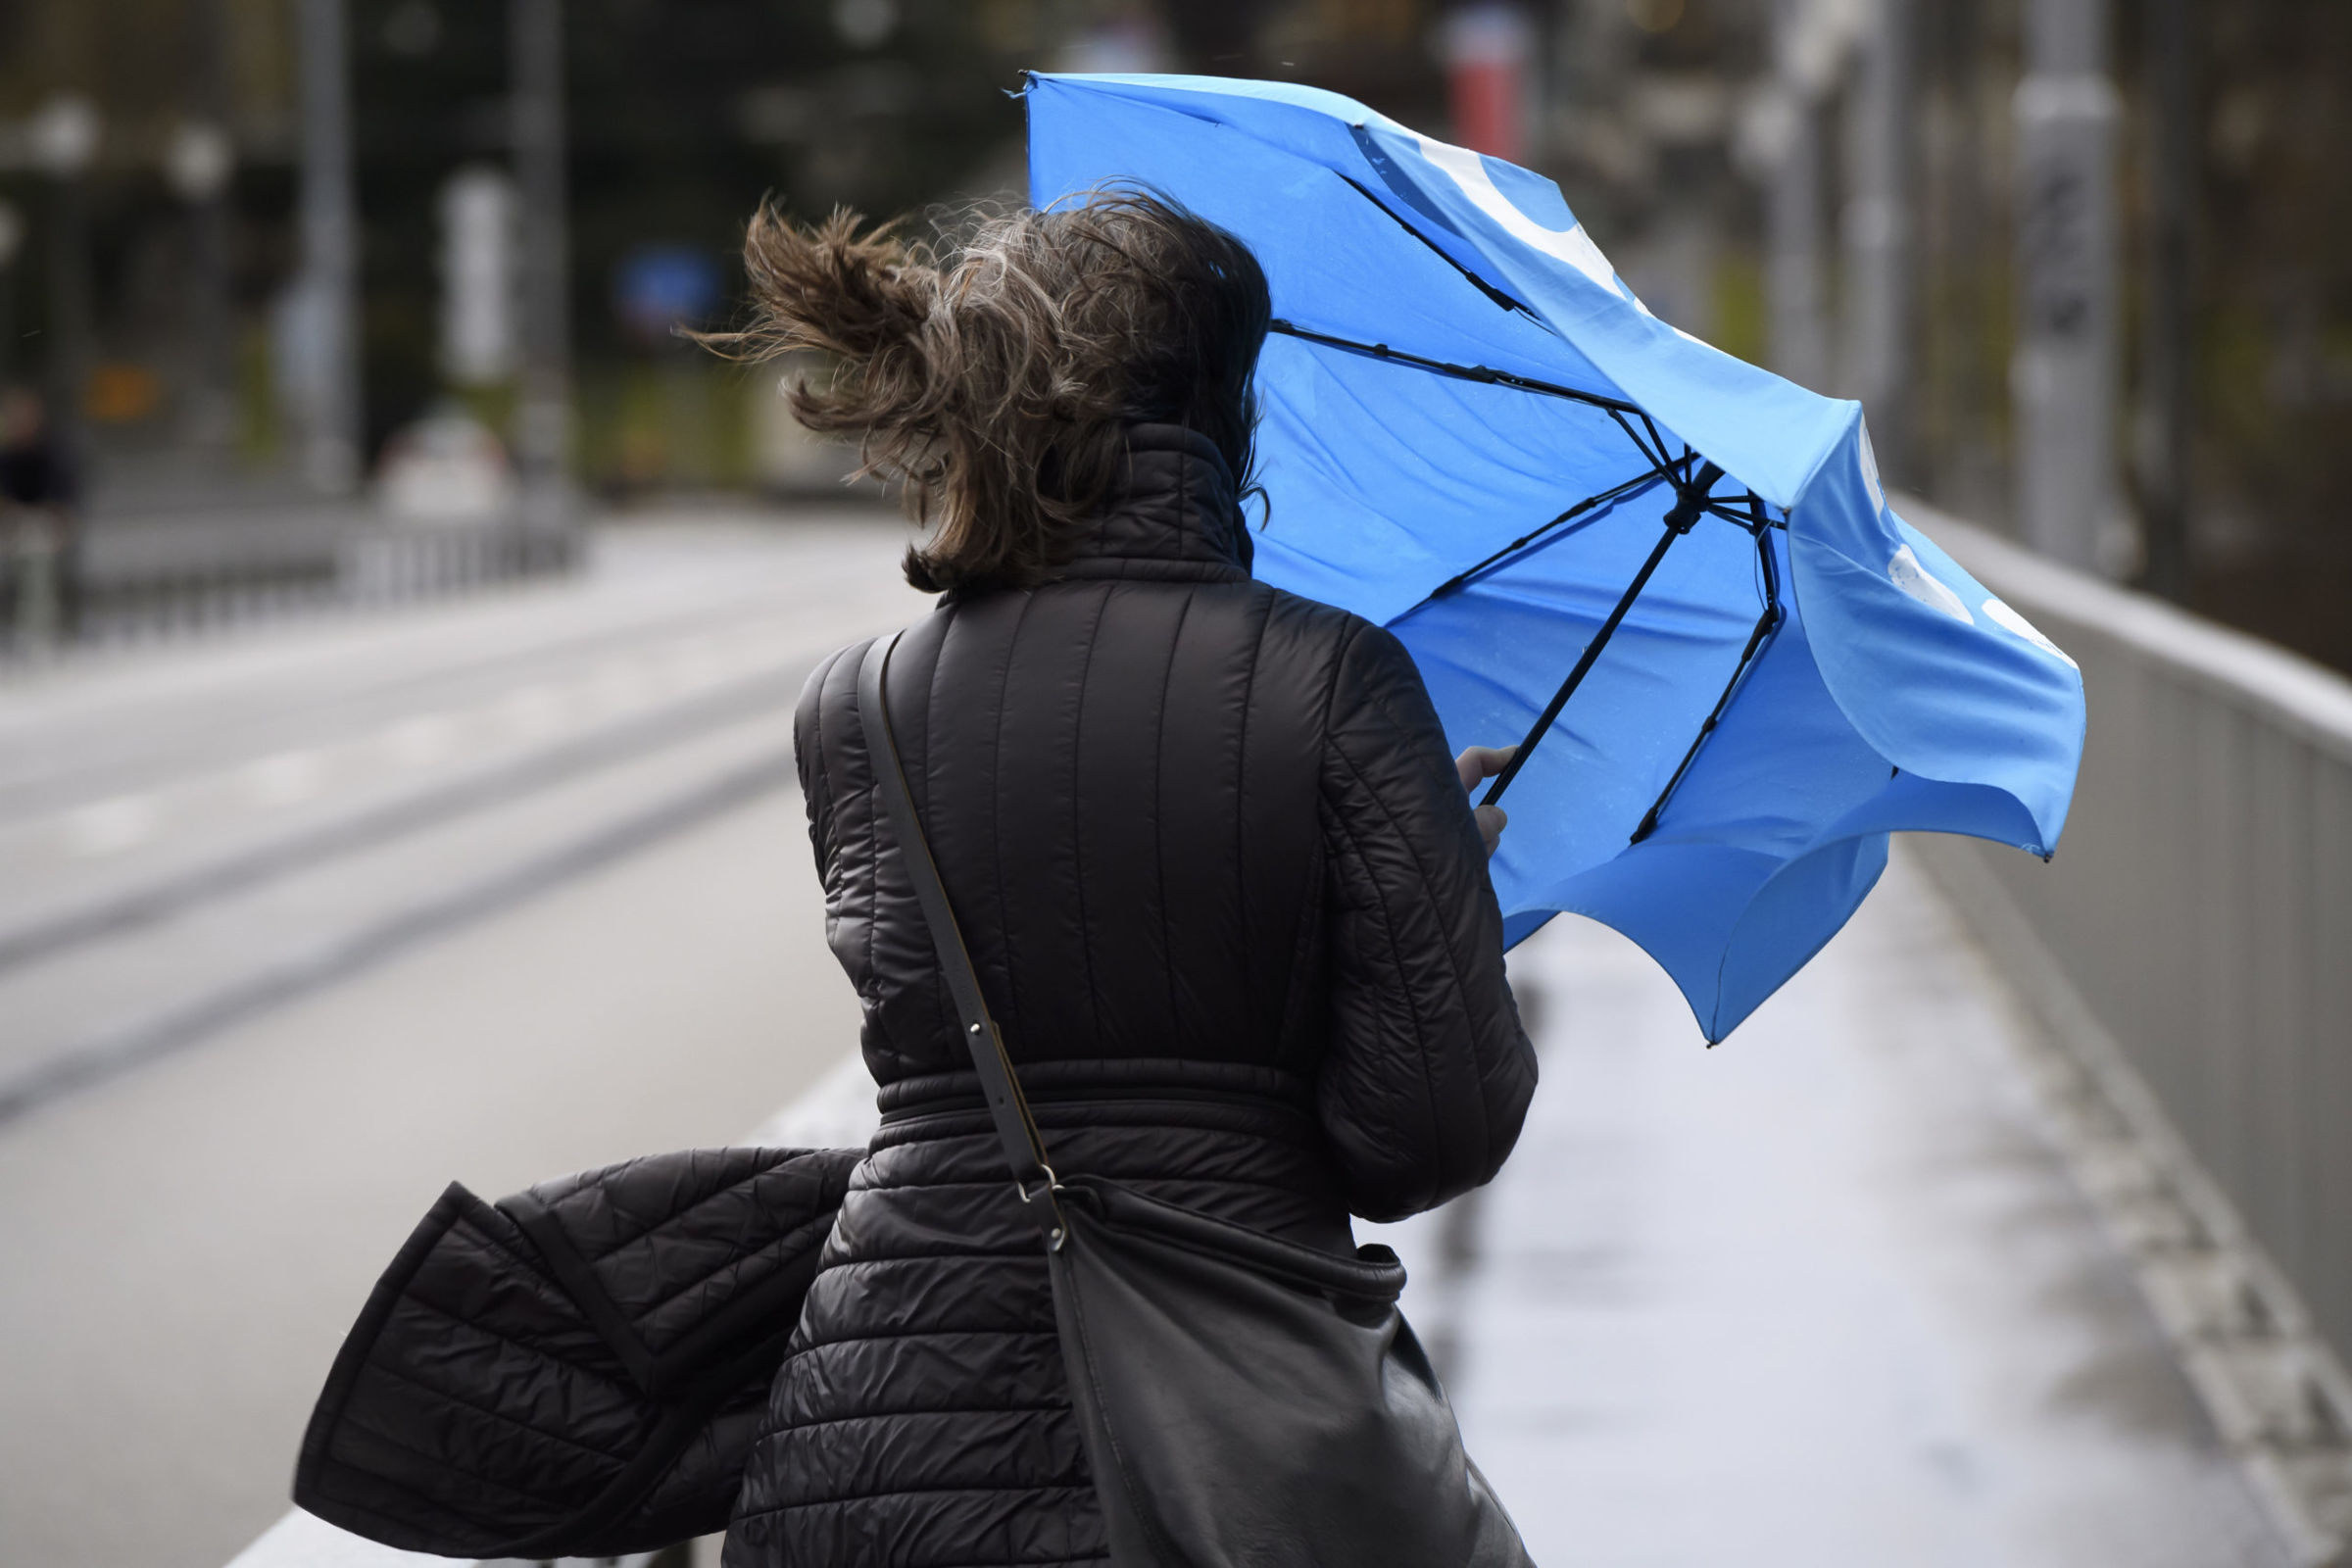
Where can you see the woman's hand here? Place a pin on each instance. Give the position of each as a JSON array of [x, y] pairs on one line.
[[1476, 765]]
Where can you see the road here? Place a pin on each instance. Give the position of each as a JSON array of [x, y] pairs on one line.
[[184, 838], [298, 927]]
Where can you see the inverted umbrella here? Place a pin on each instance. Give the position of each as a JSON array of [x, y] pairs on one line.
[[1672, 575]]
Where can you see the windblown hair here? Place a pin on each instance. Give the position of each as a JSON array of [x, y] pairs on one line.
[[994, 378]]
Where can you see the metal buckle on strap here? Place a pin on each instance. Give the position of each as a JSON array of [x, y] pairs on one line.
[[1058, 1230], [1053, 1184]]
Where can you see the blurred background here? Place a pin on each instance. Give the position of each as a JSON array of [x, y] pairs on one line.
[[277, 253], [400, 621]]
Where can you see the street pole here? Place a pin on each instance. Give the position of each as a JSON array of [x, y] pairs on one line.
[[12, 241], [329, 299], [2167, 417], [543, 416], [69, 309], [1876, 229], [202, 163], [65, 137], [2063, 377]]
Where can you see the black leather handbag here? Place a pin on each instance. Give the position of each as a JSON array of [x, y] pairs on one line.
[[1247, 1401]]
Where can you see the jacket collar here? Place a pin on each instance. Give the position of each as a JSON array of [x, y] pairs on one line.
[[1173, 514]]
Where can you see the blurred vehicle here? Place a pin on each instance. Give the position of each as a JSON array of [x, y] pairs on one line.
[[446, 468]]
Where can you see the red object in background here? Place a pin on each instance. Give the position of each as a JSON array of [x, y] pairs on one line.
[[1486, 80]]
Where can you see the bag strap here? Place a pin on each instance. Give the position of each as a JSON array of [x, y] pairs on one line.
[[1007, 1106]]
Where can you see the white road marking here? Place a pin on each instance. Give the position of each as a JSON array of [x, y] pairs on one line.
[[697, 660], [286, 778], [516, 718], [423, 741], [533, 710], [108, 827], [619, 683]]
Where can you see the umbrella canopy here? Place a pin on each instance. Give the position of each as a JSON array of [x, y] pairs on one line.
[[1673, 573]]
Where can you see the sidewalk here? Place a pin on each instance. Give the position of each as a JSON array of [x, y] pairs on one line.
[[1824, 1296]]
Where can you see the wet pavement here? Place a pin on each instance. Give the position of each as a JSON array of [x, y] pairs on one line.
[[1822, 1295]]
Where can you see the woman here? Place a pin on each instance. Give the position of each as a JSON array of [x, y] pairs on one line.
[[1224, 889]]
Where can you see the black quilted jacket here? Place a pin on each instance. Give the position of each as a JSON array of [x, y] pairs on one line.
[[1227, 901]]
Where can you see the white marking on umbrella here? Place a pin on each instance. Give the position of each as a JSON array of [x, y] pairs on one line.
[[1868, 461], [2000, 614], [1571, 245], [1906, 573]]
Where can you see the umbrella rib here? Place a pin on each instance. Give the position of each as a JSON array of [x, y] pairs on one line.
[[1751, 524], [1653, 450], [1766, 624], [1679, 520], [1657, 457], [1692, 497], [1461, 580], [1493, 294], [1656, 440], [1485, 375]]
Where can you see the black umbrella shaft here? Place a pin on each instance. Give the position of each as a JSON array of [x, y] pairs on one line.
[[1675, 528], [1765, 624]]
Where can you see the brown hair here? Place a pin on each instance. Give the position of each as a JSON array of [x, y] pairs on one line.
[[995, 376]]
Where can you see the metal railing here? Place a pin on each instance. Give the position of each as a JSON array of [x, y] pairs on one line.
[[129, 583], [2191, 942]]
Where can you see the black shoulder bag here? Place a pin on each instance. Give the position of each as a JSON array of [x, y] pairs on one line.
[[1245, 1399]]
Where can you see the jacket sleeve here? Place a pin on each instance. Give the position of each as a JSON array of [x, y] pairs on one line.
[[1428, 1074], [809, 757]]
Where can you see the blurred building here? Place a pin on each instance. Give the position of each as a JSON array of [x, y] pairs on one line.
[[1825, 185]]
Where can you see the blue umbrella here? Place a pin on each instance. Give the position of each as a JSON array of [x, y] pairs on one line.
[[1672, 575]]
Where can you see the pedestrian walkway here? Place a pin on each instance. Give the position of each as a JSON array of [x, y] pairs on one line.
[[1822, 1296]]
